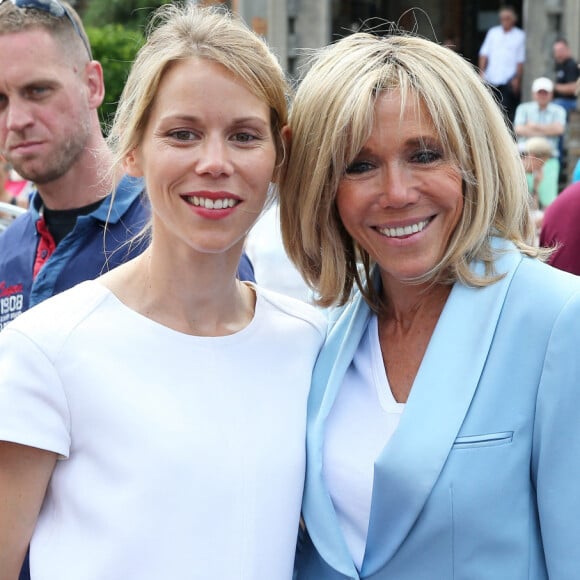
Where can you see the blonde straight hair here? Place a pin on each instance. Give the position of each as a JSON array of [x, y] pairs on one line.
[[331, 119], [185, 31]]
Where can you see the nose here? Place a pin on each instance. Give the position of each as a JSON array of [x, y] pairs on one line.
[[18, 116], [397, 187], [214, 157]]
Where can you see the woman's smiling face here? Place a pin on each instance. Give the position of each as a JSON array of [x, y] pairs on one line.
[[401, 198], [207, 156]]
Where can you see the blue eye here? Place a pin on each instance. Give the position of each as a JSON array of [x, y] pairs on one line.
[[426, 156], [182, 135], [244, 137], [37, 93], [358, 167]]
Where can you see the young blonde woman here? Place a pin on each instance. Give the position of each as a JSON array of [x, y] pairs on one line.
[[152, 421]]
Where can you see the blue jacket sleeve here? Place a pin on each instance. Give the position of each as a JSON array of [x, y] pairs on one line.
[[556, 446]]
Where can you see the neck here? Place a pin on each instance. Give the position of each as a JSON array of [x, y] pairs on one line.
[[197, 295], [405, 332], [410, 304]]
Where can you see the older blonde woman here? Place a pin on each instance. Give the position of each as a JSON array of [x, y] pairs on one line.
[[443, 430]]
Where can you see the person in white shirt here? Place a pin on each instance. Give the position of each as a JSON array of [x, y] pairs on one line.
[[271, 263], [501, 60], [152, 421]]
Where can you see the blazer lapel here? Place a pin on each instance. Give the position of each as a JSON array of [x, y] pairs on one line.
[[333, 361], [411, 462]]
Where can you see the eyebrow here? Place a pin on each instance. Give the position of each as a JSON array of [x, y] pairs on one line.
[[235, 121], [420, 141]]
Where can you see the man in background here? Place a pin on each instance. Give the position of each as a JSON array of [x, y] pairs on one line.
[[501, 59], [567, 74], [50, 91], [540, 117]]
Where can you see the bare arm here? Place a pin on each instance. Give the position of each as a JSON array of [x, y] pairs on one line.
[[567, 89], [482, 64], [516, 82], [539, 129], [24, 476]]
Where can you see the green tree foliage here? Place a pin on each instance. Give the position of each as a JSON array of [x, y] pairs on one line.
[[131, 13], [115, 47]]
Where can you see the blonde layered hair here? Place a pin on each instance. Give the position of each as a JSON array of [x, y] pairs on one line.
[[178, 32], [330, 121]]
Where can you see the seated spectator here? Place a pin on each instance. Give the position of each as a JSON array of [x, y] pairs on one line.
[[536, 152], [543, 118], [560, 229]]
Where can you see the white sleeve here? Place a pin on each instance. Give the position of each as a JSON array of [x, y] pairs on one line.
[[33, 405], [521, 52]]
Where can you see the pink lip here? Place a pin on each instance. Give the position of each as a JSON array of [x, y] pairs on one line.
[[405, 223], [23, 148]]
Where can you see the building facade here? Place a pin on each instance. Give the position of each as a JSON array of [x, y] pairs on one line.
[[292, 27]]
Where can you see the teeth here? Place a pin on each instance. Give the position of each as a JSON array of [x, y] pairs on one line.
[[212, 203], [404, 231]]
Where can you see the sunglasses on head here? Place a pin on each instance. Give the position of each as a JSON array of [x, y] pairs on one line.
[[56, 9]]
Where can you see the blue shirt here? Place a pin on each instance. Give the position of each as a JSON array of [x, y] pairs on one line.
[[531, 112]]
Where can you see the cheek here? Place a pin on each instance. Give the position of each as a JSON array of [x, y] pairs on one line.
[[451, 182], [458, 211], [260, 172], [456, 206], [352, 205], [343, 202]]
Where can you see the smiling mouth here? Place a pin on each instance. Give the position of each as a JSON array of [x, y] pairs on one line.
[[208, 203], [400, 232]]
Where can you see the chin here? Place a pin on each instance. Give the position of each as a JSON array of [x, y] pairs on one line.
[[407, 275]]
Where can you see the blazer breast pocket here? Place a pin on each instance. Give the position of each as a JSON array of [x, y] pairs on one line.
[[485, 440]]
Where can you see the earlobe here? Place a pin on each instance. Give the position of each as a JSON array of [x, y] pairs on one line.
[[132, 165]]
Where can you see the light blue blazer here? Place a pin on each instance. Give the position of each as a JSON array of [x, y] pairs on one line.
[[481, 480]]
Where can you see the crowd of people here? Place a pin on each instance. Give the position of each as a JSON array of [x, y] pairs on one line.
[[541, 126], [164, 414]]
